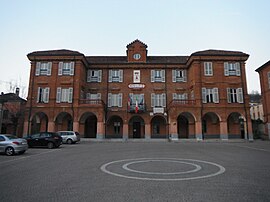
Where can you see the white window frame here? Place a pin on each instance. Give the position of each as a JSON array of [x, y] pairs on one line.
[[232, 69], [64, 95], [43, 69], [115, 100], [115, 75], [235, 95], [66, 68], [210, 95], [208, 68], [158, 75], [158, 100], [43, 95], [179, 75], [94, 75]]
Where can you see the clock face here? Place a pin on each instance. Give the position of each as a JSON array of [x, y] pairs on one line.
[[137, 56]]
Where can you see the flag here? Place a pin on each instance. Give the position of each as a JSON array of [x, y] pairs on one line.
[[136, 108], [128, 102]]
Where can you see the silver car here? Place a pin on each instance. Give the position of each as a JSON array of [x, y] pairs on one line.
[[10, 144], [69, 137]]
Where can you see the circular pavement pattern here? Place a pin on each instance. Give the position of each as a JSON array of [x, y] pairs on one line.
[[162, 169]]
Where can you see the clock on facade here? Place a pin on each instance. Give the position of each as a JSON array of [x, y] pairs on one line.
[[137, 56]]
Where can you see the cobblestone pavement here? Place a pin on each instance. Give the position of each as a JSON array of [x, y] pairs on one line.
[[139, 171]]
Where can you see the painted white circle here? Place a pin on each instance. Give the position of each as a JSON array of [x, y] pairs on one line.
[[197, 167], [105, 169]]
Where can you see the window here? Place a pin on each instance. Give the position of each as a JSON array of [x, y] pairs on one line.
[[43, 95], [268, 74], [232, 69], [43, 68], [2, 139], [157, 75], [115, 100], [210, 95], [66, 68], [116, 76], [64, 95], [94, 75], [208, 69], [136, 101], [158, 100], [235, 95], [179, 75]]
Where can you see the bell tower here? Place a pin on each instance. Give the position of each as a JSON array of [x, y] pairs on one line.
[[137, 52]]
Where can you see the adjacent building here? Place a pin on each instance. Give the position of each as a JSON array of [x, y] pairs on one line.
[[203, 95], [264, 73], [12, 108]]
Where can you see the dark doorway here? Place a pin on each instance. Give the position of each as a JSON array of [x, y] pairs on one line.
[[136, 130]]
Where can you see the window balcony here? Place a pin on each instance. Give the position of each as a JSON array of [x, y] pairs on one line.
[[91, 102], [141, 108], [179, 102]]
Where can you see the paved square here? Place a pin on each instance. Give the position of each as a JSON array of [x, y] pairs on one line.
[[139, 171]]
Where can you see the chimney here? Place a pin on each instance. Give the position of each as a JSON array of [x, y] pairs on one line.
[[17, 91]]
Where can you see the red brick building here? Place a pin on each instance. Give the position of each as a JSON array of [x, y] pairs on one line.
[[264, 73], [12, 108], [203, 95]]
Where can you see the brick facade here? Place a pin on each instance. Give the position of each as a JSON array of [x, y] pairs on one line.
[[203, 95], [264, 73]]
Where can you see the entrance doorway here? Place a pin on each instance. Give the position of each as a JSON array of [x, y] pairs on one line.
[[136, 130]]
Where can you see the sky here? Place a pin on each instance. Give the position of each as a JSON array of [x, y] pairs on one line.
[[105, 27]]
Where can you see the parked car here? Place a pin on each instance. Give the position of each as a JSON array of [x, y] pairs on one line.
[[69, 137], [44, 139], [10, 144]]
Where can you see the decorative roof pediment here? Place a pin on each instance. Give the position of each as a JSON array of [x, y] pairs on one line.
[[135, 42]]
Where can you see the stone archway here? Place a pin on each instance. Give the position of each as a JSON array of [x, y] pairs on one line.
[[136, 127], [88, 124], [114, 127], [236, 128], [186, 125], [64, 122], [159, 127], [211, 125], [39, 123]]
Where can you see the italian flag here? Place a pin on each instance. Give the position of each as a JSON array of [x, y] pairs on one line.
[[136, 108]]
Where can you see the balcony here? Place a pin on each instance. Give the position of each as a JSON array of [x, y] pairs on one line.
[[175, 103], [141, 108], [91, 102]]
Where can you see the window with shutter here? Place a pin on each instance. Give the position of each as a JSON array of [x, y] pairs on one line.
[[226, 69], [204, 95], [153, 100], [215, 95], [66, 68], [240, 95], [43, 95], [115, 75], [37, 68], [208, 69], [109, 99]]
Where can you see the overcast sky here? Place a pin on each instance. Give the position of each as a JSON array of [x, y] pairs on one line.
[[105, 27]]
